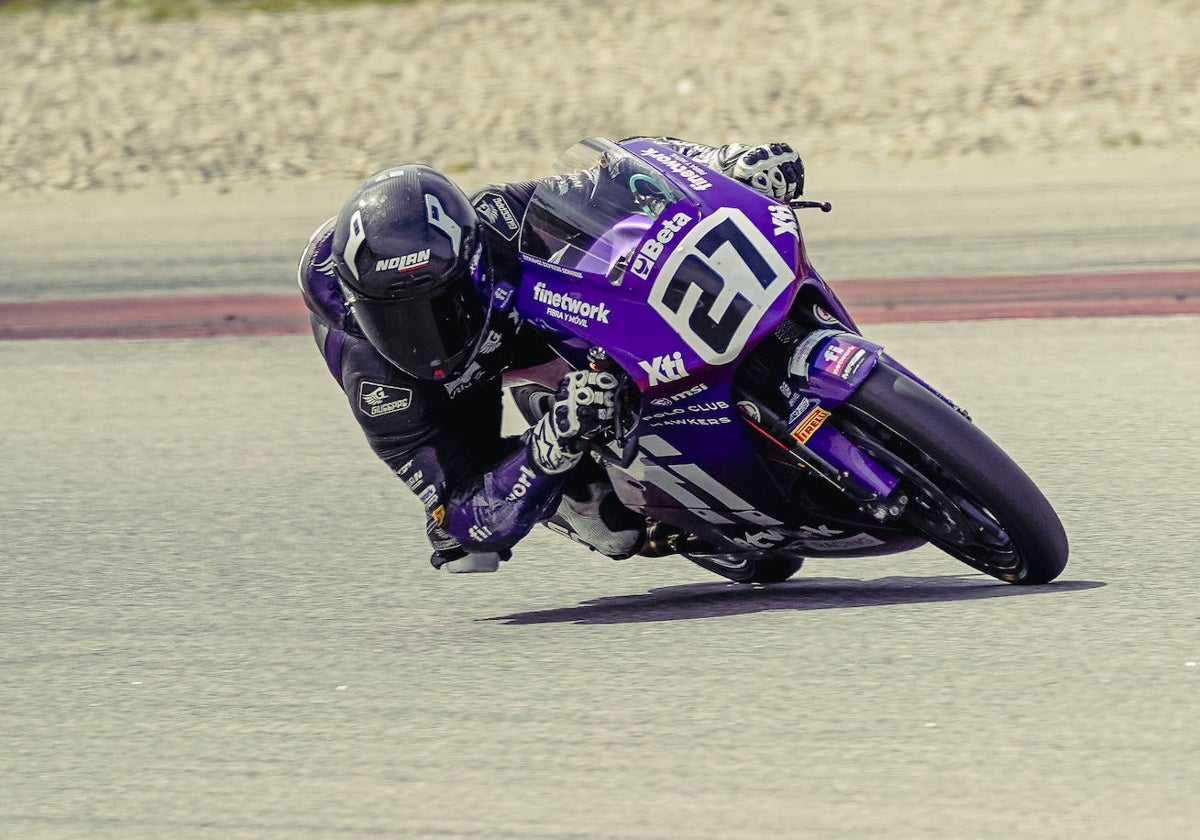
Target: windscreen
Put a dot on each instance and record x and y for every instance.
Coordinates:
(591, 214)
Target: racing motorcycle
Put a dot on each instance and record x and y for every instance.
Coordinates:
(755, 420)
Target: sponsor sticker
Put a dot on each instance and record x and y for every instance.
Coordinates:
(686, 168)
(854, 364)
(835, 357)
(653, 248)
(479, 533)
(800, 408)
(499, 216)
(808, 426)
(750, 410)
(566, 307)
(784, 220)
(376, 399)
(843, 359)
(415, 481)
(682, 395)
(522, 485)
(662, 369)
(502, 297)
(824, 316)
(553, 266)
(689, 421)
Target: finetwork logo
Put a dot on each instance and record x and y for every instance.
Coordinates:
(565, 307)
(682, 167)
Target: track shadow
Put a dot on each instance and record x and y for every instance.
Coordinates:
(709, 600)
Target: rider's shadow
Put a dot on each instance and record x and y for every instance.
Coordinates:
(709, 600)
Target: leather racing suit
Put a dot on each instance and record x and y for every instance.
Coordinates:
(481, 492)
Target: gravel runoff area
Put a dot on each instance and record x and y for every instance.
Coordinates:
(96, 97)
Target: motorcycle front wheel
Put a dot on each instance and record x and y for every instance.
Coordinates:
(965, 494)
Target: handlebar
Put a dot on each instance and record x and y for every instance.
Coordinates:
(801, 204)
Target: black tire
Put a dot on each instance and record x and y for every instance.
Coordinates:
(966, 496)
(532, 401)
(749, 568)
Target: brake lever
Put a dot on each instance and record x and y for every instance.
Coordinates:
(801, 204)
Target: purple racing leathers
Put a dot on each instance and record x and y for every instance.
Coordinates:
(481, 492)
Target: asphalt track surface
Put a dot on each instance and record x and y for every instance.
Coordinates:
(218, 619)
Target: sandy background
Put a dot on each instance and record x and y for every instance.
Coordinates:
(102, 99)
(194, 654)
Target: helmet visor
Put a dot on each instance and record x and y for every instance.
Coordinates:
(428, 337)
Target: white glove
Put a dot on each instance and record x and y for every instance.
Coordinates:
(586, 402)
(773, 169)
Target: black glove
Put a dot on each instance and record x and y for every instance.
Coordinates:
(773, 169)
(585, 403)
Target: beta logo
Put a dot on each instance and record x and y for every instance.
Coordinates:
(662, 369)
(644, 262)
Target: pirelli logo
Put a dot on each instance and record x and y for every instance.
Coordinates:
(809, 424)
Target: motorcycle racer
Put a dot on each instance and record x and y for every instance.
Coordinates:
(410, 289)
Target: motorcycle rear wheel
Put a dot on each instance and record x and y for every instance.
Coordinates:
(966, 495)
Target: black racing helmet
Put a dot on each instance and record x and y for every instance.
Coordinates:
(409, 256)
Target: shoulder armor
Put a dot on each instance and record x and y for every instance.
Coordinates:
(318, 280)
(497, 212)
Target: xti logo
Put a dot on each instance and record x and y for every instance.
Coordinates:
(662, 369)
(785, 221)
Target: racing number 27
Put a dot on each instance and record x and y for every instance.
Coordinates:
(716, 286)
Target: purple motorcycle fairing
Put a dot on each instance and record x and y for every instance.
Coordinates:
(614, 287)
(678, 295)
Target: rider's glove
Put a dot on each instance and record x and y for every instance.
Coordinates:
(585, 403)
(773, 169)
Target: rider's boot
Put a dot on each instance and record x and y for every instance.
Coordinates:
(590, 513)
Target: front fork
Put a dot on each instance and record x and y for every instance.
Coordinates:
(824, 369)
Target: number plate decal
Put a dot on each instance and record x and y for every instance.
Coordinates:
(717, 284)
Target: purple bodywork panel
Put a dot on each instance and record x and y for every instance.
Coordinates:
(679, 296)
